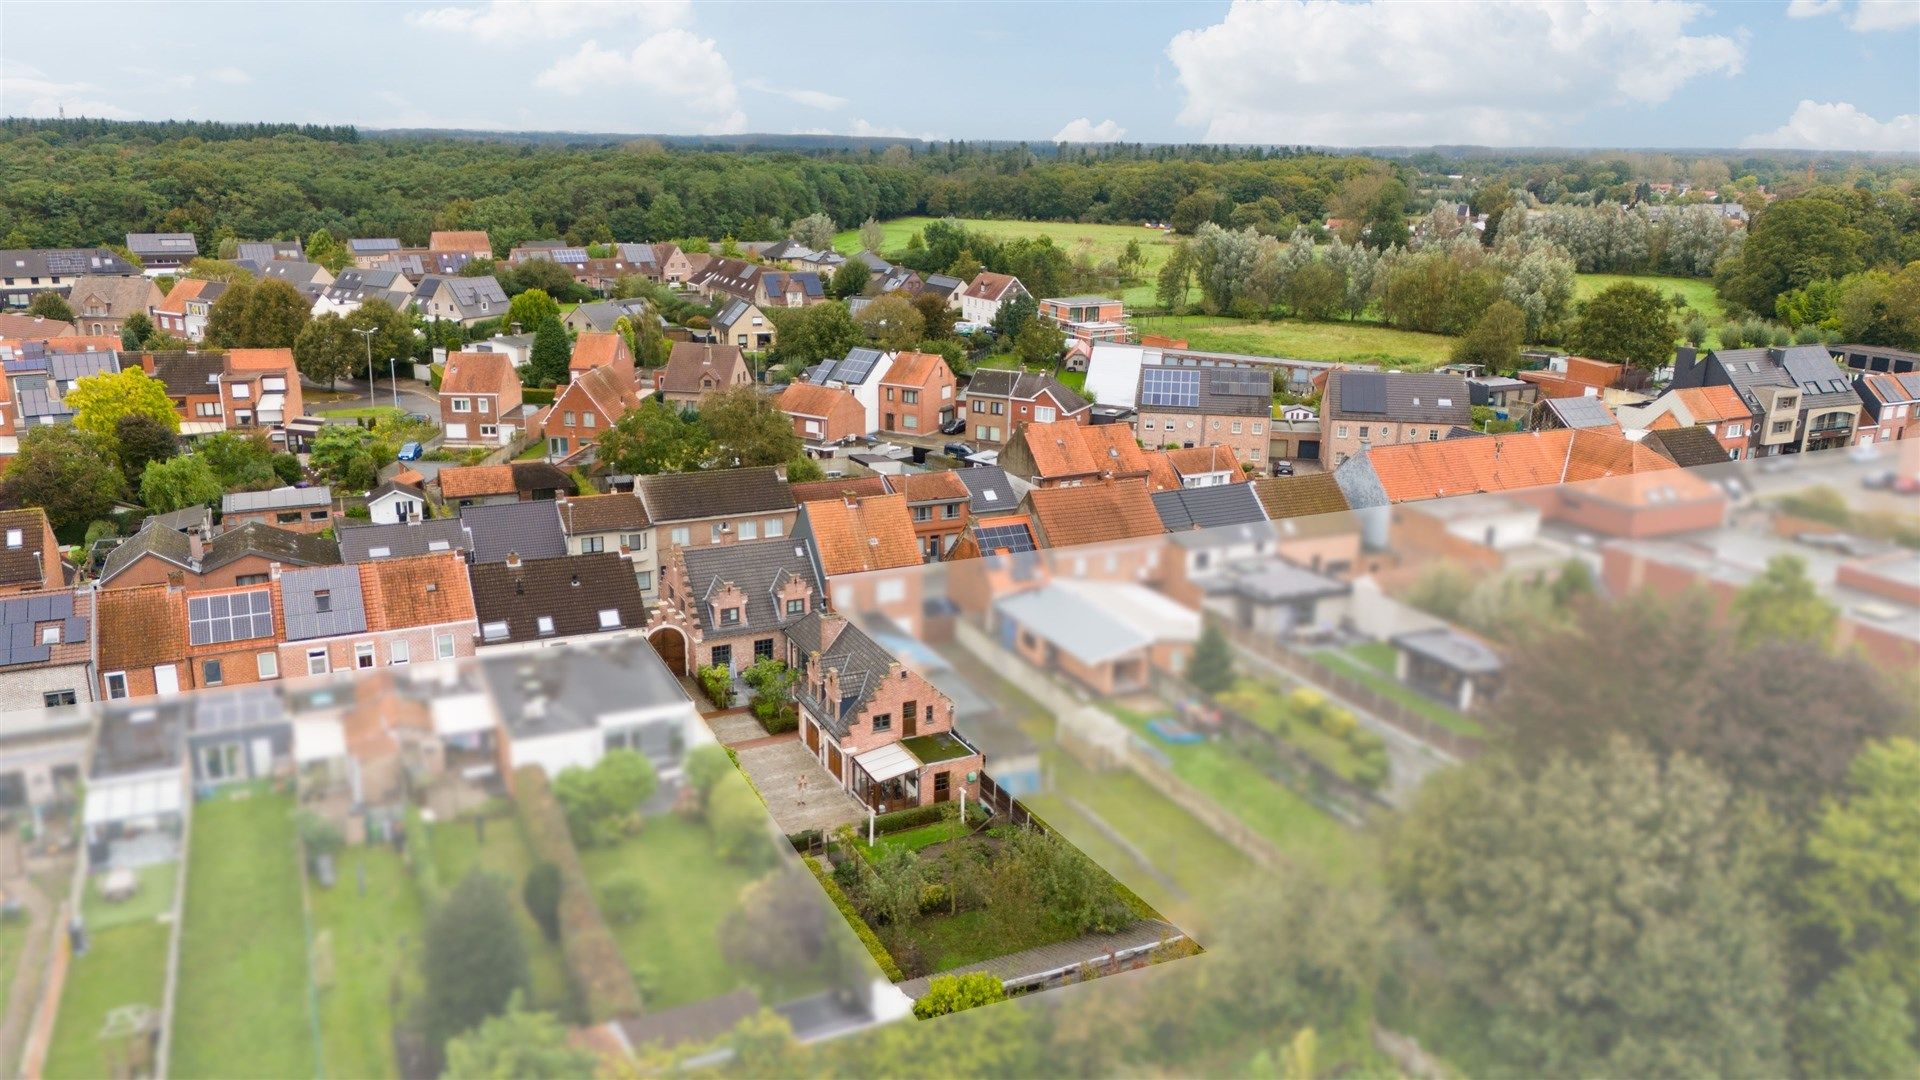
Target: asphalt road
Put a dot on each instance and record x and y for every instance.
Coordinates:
(414, 397)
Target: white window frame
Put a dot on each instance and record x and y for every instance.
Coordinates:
(116, 682)
(461, 405)
(325, 662)
(443, 646)
(399, 651)
(267, 665)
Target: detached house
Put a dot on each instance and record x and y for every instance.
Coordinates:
(984, 296)
(463, 300)
(588, 406)
(744, 326)
(694, 370)
(480, 400)
(883, 732)
(917, 394)
(823, 416)
(102, 304)
(1087, 319)
(997, 401)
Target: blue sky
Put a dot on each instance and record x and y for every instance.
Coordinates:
(1822, 74)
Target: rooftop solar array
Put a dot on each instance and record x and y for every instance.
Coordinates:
(852, 369)
(212, 620)
(21, 641)
(1172, 387)
(1014, 538)
(1363, 392)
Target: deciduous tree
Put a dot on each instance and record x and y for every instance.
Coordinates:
(891, 323)
(532, 309)
(474, 961)
(815, 231)
(178, 483)
(1627, 323)
(653, 438)
(139, 440)
(1495, 338)
(748, 429)
(66, 471)
(518, 1044)
(100, 401)
(50, 305)
(135, 329)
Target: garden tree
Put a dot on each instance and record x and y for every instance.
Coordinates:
(1859, 893)
(738, 822)
(68, 472)
(178, 483)
(1643, 947)
(891, 322)
(815, 231)
(542, 276)
(1066, 884)
(532, 309)
(100, 401)
(474, 961)
(706, 767)
(322, 248)
(602, 803)
(1879, 308)
(804, 470)
(481, 268)
(518, 1044)
(1792, 242)
(1014, 315)
(748, 429)
(890, 890)
(1210, 668)
(964, 266)
(246, 461)
(850, 279)
(935, 314)
(654, 437)
(1539, 280)
(1385, 223)
(327, 350)
(135, 330)
(392, 333)
(813, 333)
(1494, 339)
(1039, 343)
(139, 440)
(779, 928)
(958, 993)
(258, 315)
(1042, 267)
(552, 353)
(350, 457)
(872, 236)
(1782, 604)
(1627, 323)
(625, 897)
(1174, 280)
(1315, 291)
(50, 305)
(218, 270)
(541, 893)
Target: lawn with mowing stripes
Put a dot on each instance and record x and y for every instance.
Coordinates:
(242, 1001)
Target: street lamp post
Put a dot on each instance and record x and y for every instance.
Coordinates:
(366, 335)
(393, 374)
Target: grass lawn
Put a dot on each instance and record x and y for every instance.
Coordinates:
(377, 412)
(456, 851)
(674, 948)
(1372, 663)
(951, 941)
(13, 943)
(1698, 291)
(1295, 339)
(1266, 706)
(242, 1004)
(1178, 844)
(535, 451)
(1102, 242)
(125, 965)
(153, 898)
(361, 941)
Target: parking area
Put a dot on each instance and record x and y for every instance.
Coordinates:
(778, 770)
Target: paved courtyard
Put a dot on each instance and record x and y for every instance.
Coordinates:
(733, 728)
(776, 768)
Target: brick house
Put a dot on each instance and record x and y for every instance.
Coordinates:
(730, 606)
(937, 502)
(997, 401)
(237, 390)
(29, 553)
(693, 370)
(1363, 409)
(587, 407)
(1890, 405)
(480, 399)
(618, 522)
(1717, 409)
(384, 613)
(183, 312)
(883, 732)
(296, 509)
(516, 481)
(142, 636)
(713, 509)
(1093, 513)
(48, 661)
(243, 555)
(596, 349)
(102, 304)
(917, 394)
(852, 541)
(823, 416)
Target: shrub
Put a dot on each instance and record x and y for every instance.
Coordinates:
(602, 803)
(717, 683)
(911, 818)
(536, 395)
(474, 961)
(1338, 723)
(706, 766)
(541, 894)
(738, 822)
(956, 993)
(601, 983)
(625, 898)
(860, 928)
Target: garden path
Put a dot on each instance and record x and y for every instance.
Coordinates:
(1041, 964)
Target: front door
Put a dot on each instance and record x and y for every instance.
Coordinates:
(909, 720)
(833, 761)
(813, 738)
(166, 679)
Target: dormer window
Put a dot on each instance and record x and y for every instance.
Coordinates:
(796, 607)
(16, 538)
(730, 616)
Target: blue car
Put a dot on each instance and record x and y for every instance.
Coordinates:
(410, 452)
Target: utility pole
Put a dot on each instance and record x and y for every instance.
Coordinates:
(366, 335)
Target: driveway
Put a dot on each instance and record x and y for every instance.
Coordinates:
(777, 768)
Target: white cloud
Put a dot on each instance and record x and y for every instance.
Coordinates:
(679, 69)
(230, 76)
(1817, 125)
(514, 21)
(1309, 71)
(29, 91)
(1868, 16)
(812, 99)
(1084, 130)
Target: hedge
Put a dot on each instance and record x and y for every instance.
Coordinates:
(536, 395)
(602, 984)
(860, 928)
(911, 818)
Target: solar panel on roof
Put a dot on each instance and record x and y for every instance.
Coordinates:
(1363, 392)
(212, 620)
(1242, 382)
(1170, 387)
(1014, 538)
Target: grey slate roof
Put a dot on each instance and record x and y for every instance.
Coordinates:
(861, 661)
(992, 489)
(356, 284)
(361, 542)
(61, 262)
(1403, 397)
(530, 530)
(476, 297)
(186, 373)
(570, 591)
(280, 498)
(600, 316)
(1023, 386)
(1821, 381)
(252, 538)
(322, 602)
(1208, 507)
(373, 245)
(758, 568)
(165, 245)
(719, 493)
(731, 314)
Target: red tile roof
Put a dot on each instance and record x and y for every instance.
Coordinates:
(1713, 404)
(476, 373)
(593, 350)
(856, 535)
(1094, 513)
(420, 590)
(914, 369)
(1431, 470)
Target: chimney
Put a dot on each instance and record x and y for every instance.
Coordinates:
(513, 560)
(176, 580)
(273, 571)
(833, 692)
(830, 628)
(196, 546)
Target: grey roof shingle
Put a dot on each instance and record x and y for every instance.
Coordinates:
(252, 538)
(1402, 397)
(362, 543)
(570, 591)
(861, 661)
(992, 489)
(758, 568)
(1208, 507)
(719, 493)
(530, 530)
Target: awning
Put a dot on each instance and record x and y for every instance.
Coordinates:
(273, 403)
(134, 800)
(462, 714)
(886, 762)
(318, 739)
(307, 425)
(203, 427)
